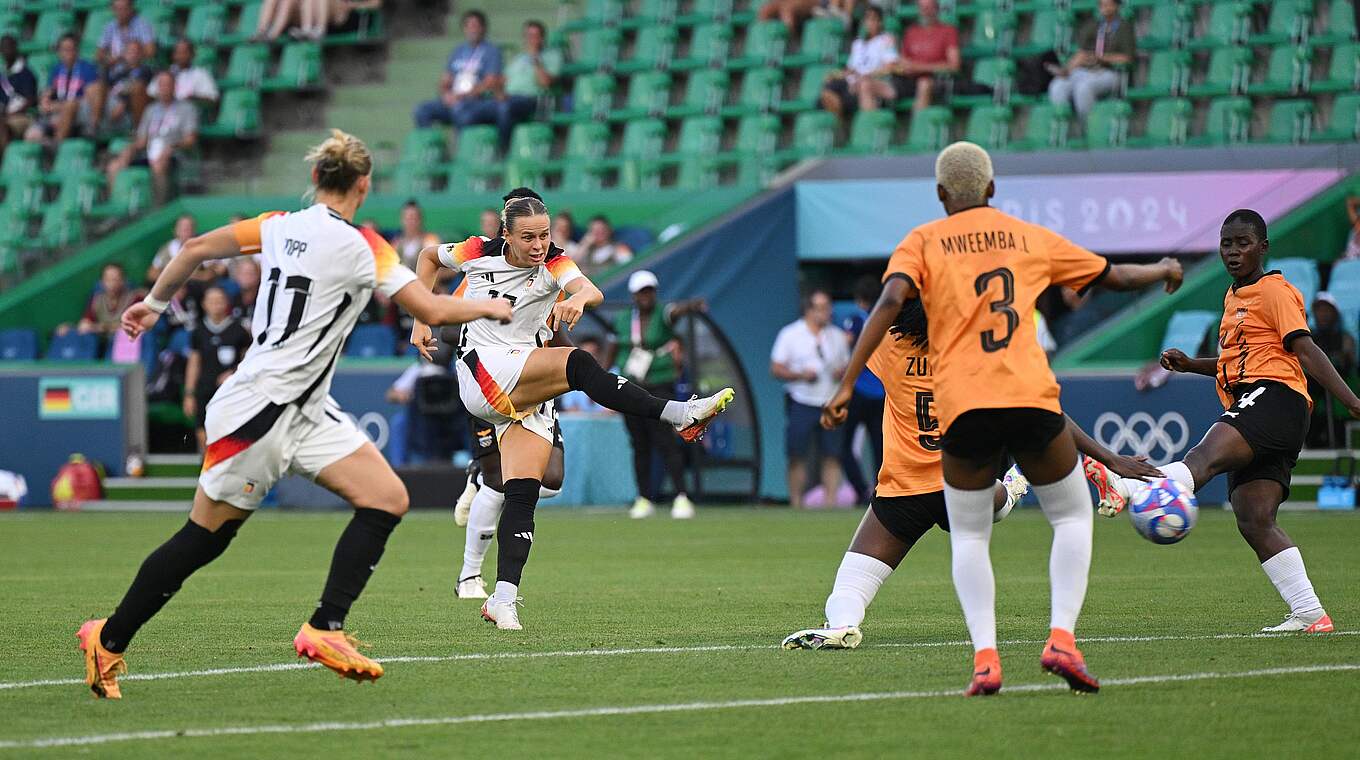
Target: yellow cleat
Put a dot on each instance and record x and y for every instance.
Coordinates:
(336, 650)
(101, 666)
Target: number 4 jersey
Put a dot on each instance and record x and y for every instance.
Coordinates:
(317, 272)
(980, 272)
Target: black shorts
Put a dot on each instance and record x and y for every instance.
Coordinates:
(909, 517)
(840, 88)
(484, 438)
(982, 434)
(1273, 418)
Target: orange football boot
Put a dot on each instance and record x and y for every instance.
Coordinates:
(986, 674)
(336, 650)
(1111, 501)
(1062, 658)
(101, 666)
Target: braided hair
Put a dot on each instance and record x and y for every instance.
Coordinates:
(911, 323)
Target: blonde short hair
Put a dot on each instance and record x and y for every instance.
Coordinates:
(964, 170)
(340, 160)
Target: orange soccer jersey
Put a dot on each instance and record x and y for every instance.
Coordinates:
(979, 272)
(911, 434)
(1259, 321)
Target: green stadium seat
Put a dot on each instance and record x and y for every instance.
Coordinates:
(1340, 24)
(704, 94)
(238, 116)
(95, 21)
(587, 141)
(25, 195)
(649, 94)
(1107, 124)
(1287, 72)
(50, 26)
(653, 48)
(814, 134)
(78, 193)
(22, 161)
(1050, 29)
(1291, 122)
(1301, 273)
(424, 147)
(822, 41)
(809, 93)
(1228, 122)
(246, 21)
(299, 68)
(61, 227)
(532, 141)
(760, 90)
(598, 13)
(1228, 72)
(584, 176)
(709, 45)
(368, 29)
(525, 173)
(13, 226)
(42, 65)
(996, 73)
(1186, 330)
(1168, 73)
(1289, 21)
(764, 45)
(206, 57)
(929, 130)
(1344, 123)
(206, 23)
(1228, 25)
(757, 144)
(871, 132)
(697, 153)
(12, 24)
(246, 66)
(1168, 123)
(474, 165)
(598, 50)
(162, 21)
(129, 195)
(654, 13)
(704, 11)
(1169, 25)
(1343, 72)
(75, 158)
(644, 142)
(993, 33)
(989, 126)
(592, 97)
(10, 265)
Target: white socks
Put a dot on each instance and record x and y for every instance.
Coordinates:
(1176, 471)
(481, 528)
(675, 412)
(970, 533)
(506, 592)
(1286, 571)
(857, 581)
(1067, 505)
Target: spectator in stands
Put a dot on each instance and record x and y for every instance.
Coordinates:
(18, 92)
(60, 102)
(599, 250)
(192, 82)
(866, 404)
(489, 223)
(276, 16)
(185, 228)
(119, 98)
(930, 48)
(104, 312)
(870, 53)
(245, 272)
(791, 12)
(216, 346)
(810, 356)
(1104, 43)
(564, 234)
(125, 26)
(1332, 337)
(413, 236)
(340, 16)
(528, 77)
(1352, 250)
(168, 128)
(471, 78)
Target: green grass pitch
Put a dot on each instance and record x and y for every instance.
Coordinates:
(703, 606)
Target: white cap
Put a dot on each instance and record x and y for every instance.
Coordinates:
(641, 280)
(1327, 298)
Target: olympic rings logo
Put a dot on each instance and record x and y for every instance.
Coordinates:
(1142, 435)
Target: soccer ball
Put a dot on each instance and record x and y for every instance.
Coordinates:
(1162, 511)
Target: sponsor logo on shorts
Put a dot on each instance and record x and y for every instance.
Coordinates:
(249, 487)
(1159, 439)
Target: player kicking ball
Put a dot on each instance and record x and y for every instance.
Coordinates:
(1265, 348)
(275, 414)
(909, 498)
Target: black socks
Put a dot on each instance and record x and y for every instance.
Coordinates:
(609, 390)
(161, 575)
(356, 555)
(516, 529)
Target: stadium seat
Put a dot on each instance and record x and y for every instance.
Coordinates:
(531, 142)
(644, 142)
(73, 347)
(93, 30)
(1340, 24)
(929, 129)
(1302, 273)
(587, 141)
(760, 89)
(246, 22)
(1168, 73)
(597, 50)
(1107, 124)
(424, 147)
(1050, 29)
(704, 94)
(653, 13)
(810, 84)
(50, 26)
(709, 46)
(814, 135)
(206, 23)
(1228, 72)
(1168, 26)
(1289, 21)
(1168, 123)
(1344, 122)
(584, 176)
(299, 68)
(996, 73)
(75, 158)
(653, 48)
(989, 126)
(821, 42)
(1228, 122)
(1228, 25)
(757, 141)
(371, 342)
(237, 117)
(62, 226)
(1287, 72)
(871, 132)
(476, 145)
(78, 193)
(649, 94)
(993, 33)
(245, 67)
(598, 13)
(1291, 122)
(591, 97)
(1344, 286)
(1046, 127)
(697, 153)
(129, 195)
(764, 45)
(18, 344)
(1186, 331)
(22, 161)
(703, 11)
(1343, 72)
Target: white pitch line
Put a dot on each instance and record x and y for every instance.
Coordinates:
(599, 712)
(285, 666)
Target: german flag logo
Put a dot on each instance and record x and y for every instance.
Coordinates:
(56, 399)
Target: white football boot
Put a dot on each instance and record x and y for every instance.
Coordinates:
(470, 588)
(682, 508)
(504, 614)
(701, 411)
(1016, 485)
(642, 509)
(847, 637)
(1319, 622)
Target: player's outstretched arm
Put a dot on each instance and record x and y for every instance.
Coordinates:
(1175, 360)
(1139, 276)
(1127, 467)
(1320, 368)
(430, 309)
(221, 243)
(896, 291)
(581, 295)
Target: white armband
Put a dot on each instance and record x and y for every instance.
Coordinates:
(157, 306)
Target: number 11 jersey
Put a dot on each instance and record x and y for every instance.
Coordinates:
(980, 272)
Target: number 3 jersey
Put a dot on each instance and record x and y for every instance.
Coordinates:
(980, 272)
(532, 291)
(317, 272)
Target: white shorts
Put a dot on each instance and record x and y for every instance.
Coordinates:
(252, 443)
(487, 376)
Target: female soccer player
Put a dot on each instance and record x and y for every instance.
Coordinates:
(275, 414)
(909, 497)
(508, 376)
(1264, 350)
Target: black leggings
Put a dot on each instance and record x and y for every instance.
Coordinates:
(654, 436)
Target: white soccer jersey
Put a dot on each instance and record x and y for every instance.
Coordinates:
(532, 291)
(317, 274)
